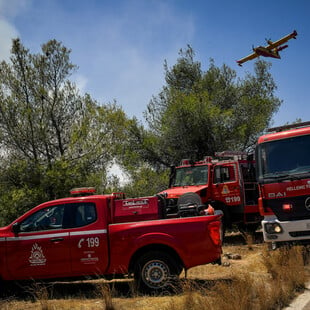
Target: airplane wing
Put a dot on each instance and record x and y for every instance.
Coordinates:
(249, 57)
(282, 40)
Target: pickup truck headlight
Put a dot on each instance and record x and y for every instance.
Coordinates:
(273, 228)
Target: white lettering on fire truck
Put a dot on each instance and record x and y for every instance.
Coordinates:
(90, 242)
(297, 188)
(128, 203)
(37, 257)
(89, 259)
(232, 199)
(276, 195)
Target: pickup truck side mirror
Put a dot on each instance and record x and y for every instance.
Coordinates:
(16, 228)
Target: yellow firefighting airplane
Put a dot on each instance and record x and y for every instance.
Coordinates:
(271, 50)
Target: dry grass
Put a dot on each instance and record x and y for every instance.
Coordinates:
(254, 279)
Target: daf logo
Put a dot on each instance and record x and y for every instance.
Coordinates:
(307, 203)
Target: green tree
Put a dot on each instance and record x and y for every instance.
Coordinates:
(200, 112)
(145, 181)
(51, 137)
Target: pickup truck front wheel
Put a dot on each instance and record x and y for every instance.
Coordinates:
(155, 272)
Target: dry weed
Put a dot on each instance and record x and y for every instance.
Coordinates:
(287, 265)
(287, 275)
(40, 293)
(239, 294)
(105, 293)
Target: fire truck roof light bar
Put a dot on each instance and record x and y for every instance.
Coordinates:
(83, 190)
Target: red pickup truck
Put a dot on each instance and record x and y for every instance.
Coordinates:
(107, 236)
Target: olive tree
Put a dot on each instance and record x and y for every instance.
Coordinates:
(52, 138)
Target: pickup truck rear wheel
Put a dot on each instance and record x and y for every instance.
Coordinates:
(155, 272)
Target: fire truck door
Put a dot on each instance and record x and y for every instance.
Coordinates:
(41, 247)
(226, 187)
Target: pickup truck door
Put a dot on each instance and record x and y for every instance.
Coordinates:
(89, 239)
(59, 241)
(41, 248)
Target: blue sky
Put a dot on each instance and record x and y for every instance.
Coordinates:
(120, 46)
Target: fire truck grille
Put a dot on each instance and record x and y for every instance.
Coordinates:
(300, 233)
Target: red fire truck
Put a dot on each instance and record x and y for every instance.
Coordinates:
(283, 173)
(226, 181)
(110, 236)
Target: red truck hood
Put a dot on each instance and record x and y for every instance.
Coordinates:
(5, 231)
(176, 192)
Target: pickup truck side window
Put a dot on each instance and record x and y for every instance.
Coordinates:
(80, 214)
(85, 214)
(44, 219)
(60, 217)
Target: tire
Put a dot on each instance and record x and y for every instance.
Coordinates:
(189, 198)
(155, 272)
(189, 204)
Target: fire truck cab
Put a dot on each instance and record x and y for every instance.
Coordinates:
(226, 181)
(283, 174)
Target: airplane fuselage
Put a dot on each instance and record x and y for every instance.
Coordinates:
(263, 51)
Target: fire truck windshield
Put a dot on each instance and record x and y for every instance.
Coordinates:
(284, 159)
(193, 175)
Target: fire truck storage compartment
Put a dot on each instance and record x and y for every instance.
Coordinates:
(137, 209)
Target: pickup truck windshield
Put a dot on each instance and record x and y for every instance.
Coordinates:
(194, 175)
(284, 159)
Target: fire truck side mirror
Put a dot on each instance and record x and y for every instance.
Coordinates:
(16, 228)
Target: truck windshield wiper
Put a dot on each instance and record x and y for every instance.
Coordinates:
(287, 176)
(276, 176)
(301, 175)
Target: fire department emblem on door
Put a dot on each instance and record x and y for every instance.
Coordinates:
(225, 190)
(37, 257)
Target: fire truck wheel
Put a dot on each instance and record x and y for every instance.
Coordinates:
(155, 271)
